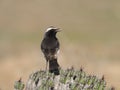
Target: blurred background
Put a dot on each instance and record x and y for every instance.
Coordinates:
(90, 37)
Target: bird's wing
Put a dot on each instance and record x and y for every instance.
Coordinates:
(50, 46)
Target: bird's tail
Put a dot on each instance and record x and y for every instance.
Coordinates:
(54, 66)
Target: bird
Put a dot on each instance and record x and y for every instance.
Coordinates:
(50, 47)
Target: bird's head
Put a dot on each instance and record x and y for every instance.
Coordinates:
(51, 31)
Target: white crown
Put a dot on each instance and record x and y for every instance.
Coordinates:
(50, 28)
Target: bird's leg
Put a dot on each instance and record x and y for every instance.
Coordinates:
(46, 65)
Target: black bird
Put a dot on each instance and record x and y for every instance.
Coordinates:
(50, 48)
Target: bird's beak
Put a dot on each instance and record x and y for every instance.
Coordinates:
(58, 29)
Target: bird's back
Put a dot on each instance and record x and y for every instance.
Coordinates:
(50, 46)
(50, 43)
